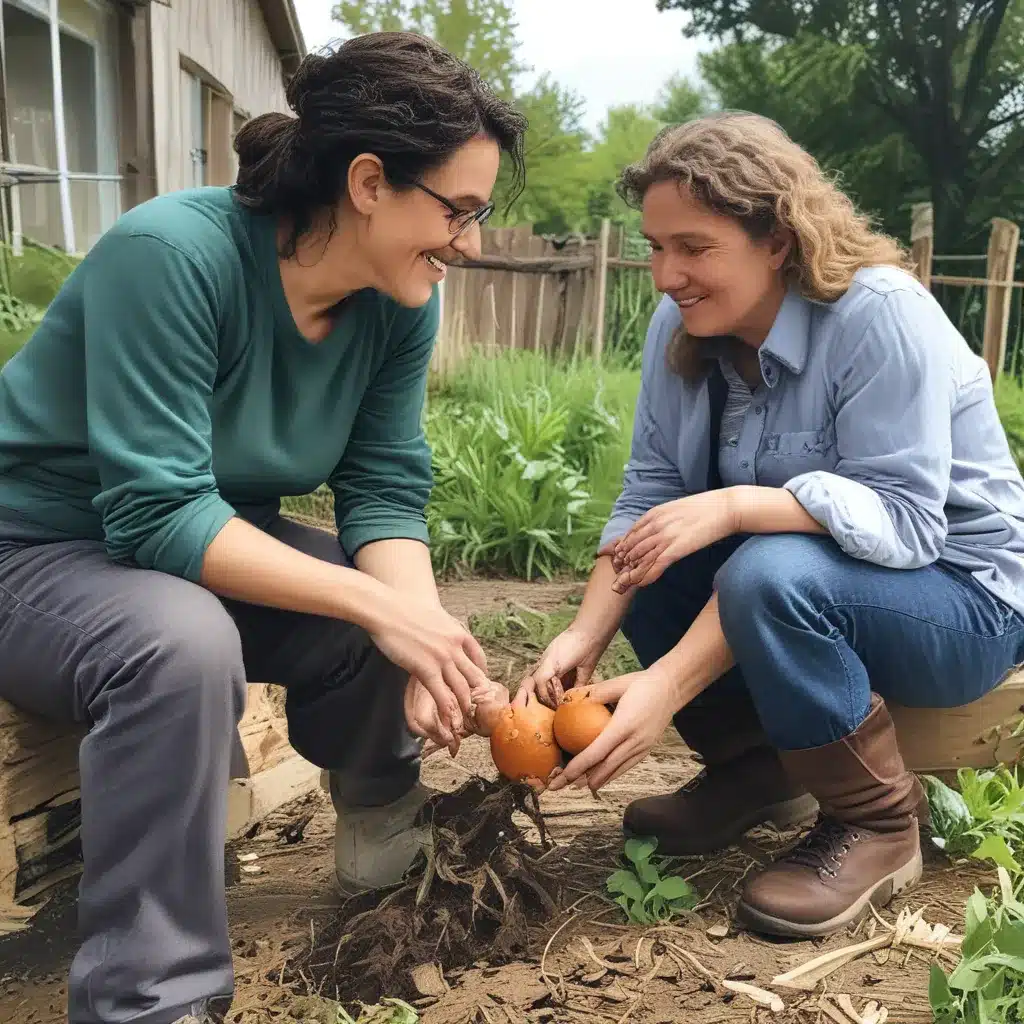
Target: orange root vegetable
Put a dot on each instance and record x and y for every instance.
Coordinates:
(579, 721)
(523, 743)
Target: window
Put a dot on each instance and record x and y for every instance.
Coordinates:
(87, 35)
(208, 131)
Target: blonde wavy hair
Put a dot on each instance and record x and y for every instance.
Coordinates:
(746, 167)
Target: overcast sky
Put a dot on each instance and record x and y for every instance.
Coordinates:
(607, 55)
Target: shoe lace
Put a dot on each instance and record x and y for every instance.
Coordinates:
(698, 780)
(825, 847)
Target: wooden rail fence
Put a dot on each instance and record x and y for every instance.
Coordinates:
(533, 293)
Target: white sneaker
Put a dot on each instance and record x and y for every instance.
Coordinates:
(375, 846)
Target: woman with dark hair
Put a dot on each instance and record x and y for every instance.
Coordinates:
(216, 350)
(820, 513)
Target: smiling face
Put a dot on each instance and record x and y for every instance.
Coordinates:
(723, 281)
(407, 235)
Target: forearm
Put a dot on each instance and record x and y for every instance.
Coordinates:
(770, 510)
(701, 657)
(602, 610)
(246, 564)
(403, 565)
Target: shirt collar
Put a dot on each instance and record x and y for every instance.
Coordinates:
(789, 339)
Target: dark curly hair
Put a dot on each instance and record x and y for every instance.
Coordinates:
(398, 95)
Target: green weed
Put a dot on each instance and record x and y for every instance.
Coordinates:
(528, 458)
(984, 820)
(988, 983)
(643, 892)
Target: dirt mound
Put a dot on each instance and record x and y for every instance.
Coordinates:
(474, 896)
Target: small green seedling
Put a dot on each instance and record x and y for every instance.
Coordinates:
(642, 892)
(387, 1011)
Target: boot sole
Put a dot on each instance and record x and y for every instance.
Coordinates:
(880, 896)
(782, 815)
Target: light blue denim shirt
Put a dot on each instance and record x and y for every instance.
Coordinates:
(873, 412)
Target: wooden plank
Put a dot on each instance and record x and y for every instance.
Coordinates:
(530, 264)
(972, 282)
(40, 801)
(1002, 261)
(600, 288)
(922, 241)
(975, 735)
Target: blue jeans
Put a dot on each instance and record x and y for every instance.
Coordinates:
(814, 631)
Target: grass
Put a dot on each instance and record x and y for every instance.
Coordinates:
(35, 278)
(519, 635)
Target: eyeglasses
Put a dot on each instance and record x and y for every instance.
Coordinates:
(460, 221)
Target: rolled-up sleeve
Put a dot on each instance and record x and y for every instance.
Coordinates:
(652, 474)
(885, 500)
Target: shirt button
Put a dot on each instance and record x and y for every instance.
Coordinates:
(744, 464)
(757, 410)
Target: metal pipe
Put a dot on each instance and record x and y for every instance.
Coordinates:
(64, 183)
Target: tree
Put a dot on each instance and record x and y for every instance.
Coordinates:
(947, 74)
(557, 171)
(855, 141)
(679, 100)
(480, 32)
(623, 137)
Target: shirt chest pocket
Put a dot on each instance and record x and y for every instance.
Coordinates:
(788, 454)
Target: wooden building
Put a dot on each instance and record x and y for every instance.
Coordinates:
(106, 103)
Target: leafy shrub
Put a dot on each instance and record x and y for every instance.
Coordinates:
(528, 459)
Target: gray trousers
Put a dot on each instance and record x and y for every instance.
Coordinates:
(156, 668)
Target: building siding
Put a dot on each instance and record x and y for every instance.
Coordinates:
(228, 43)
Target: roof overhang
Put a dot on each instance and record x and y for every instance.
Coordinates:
(285, 33)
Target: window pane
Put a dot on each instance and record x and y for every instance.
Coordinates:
(29, 88)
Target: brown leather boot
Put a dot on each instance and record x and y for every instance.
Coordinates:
(742, 784)
(865, 849)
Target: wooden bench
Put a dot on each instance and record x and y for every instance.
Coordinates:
(39, 797)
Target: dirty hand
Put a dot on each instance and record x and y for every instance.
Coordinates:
(440, 652)
(668, 533)
(646, 704)
(423, 720)
(570, 660)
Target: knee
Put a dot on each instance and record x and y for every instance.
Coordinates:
(768, 573)
(188, 650)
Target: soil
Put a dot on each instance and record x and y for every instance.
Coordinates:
(582, 963)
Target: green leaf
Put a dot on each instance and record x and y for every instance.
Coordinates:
(940, 995)
(673, 888)
(627, 883)
(1009, 938)
(648, 873)
(640, 850)
(977, 912)
(995, 848)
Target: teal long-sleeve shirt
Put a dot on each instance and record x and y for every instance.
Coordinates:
(168, 386)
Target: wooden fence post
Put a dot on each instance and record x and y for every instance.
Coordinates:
(600, 286)
(1002, 261)
(922, 240)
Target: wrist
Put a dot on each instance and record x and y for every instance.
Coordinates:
(363, 600)
(737, 504)
(668, 679)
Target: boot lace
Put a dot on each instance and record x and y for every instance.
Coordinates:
(824, 848)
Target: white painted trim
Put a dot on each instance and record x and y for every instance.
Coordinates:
(60, 133)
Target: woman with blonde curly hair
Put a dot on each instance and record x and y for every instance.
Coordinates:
(820, 513)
